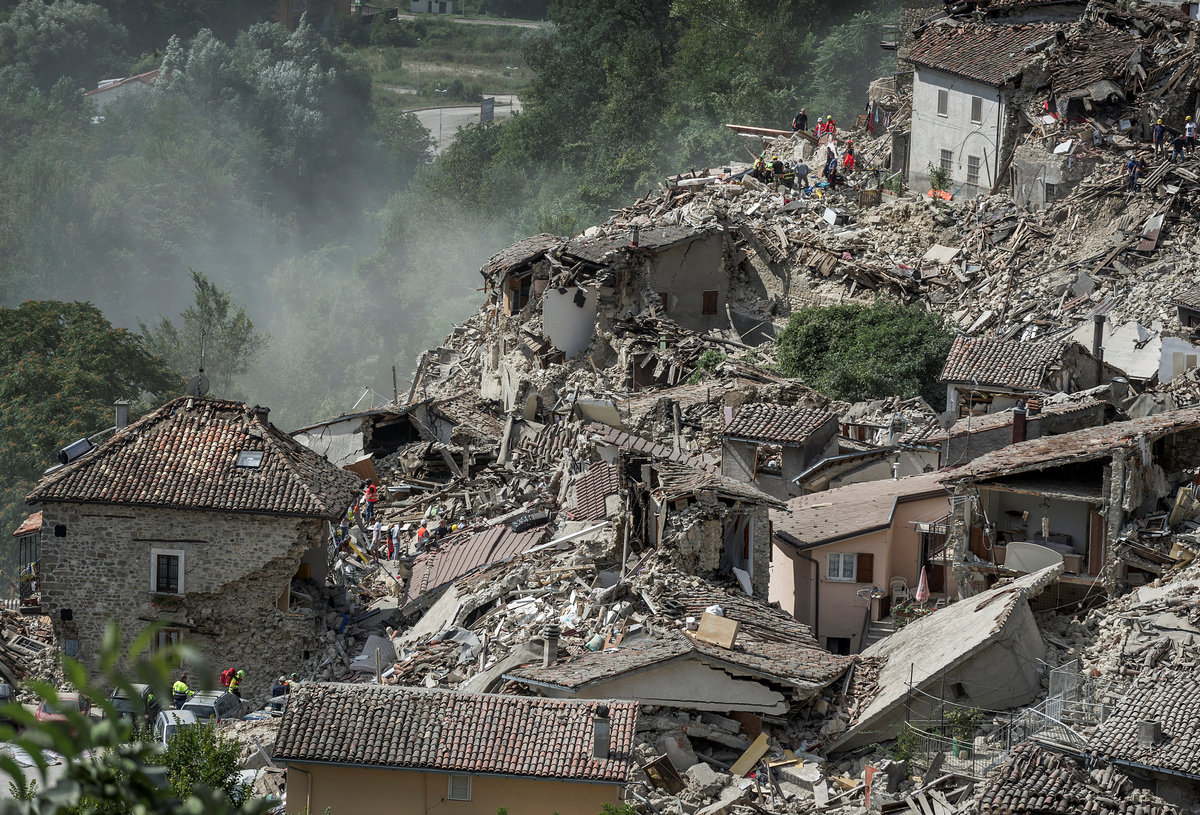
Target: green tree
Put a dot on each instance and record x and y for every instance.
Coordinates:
(197, 756)
(212, 329)
(856, 352)
(108, 771)
(42, 42)
(62, 365)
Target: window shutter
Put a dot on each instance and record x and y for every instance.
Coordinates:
(866, 568)
(460, 788)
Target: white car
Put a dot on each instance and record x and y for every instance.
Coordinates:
(169, 721)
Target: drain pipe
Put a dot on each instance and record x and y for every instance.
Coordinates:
(816, 594)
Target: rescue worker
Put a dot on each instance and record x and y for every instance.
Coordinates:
(830, 127)
(759, 170)
(235, 684)
(443, 529)
(848, 161)
(1158, 136)
(777, 168)
(801, 171)
(180, 692)
(801, 121)
(1189, 135)
(371, 493)
(280, 688)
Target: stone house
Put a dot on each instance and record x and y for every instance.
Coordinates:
(830, 546)
(372, 748)
(1082, 496)
(771, 445)
(199, 516)
(963, 113)
(986, 376)
(973, 436)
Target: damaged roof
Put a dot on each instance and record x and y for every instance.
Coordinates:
(919, 654)
(421, 729)
(806, 668)
(757, 622)
(776, 423)
(1004, 418)
(185, 455)
(30, 525)
(651, 239)
(1007, 363)
(822, 518)
(1033, 779)
(1079, 445)
(680, 481)
(990, 54)
(627, 441)
(591, 491)
(1171, 698)
(464, 553)
(1188, 298)
(520, 255)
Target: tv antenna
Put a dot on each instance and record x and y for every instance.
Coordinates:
(198, 384)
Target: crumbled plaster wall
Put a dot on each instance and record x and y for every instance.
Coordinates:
(235, 568)
(697, 536)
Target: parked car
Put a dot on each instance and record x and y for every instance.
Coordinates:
(57, 711)
(169, 721)
(273, 709)
(214, 706)
(144, 708)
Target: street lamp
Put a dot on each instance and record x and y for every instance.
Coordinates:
(441, 109)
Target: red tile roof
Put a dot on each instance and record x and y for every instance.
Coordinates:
(990, 54)
(184, 456)
(415, 728)
(30, 525)
(628, 441)
(591, 491)
(1172, 699)
(464, 553)
(809, 668)
(1006, 363)
(1188, 298)
(776, 423)
(521, 254)
(1080, 445)
(855, 509)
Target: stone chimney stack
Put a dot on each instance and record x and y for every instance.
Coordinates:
(122, 408)
(550, 654)
(1020, 423)
(601, 733)
(1149, 733)
(259, 412)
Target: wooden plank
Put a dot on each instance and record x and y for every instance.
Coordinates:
(757, 749)
(717, 630)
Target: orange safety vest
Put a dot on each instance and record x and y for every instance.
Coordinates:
(372, 494)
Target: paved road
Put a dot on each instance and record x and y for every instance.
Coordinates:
(468, 21)
(444, 123)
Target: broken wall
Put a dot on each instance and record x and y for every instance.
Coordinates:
(1034, 167)
(954, 131)
(695, 282)
(234, 570)
(697, 534)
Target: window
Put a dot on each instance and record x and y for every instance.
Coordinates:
(662, 301)
(838, 645)
(768, 460)
(943, 103)
(947, 160)
(976, 110)
(250, 459)
(851, 567)
(710, 302)
(460, 788)
(167, 637)
(166, 571)
(1051, 193)
(973, 163)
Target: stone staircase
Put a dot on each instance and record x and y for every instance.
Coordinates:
(879, 630)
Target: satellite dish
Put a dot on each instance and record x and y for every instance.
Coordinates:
(197, 385)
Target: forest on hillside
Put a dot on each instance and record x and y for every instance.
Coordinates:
(259, 178)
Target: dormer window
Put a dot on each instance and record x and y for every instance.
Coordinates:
(250, 459)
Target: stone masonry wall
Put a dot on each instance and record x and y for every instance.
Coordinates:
(235, 567)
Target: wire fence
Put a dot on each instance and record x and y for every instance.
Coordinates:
(1075, 705)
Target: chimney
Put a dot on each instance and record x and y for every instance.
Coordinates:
(1098, 338)
(635, 234)
(259, 412)
(1149, 733)
(1019, 423)
(601, 733)
(1119, 390)
(1033, 406)
(122, 407)
(550, 653)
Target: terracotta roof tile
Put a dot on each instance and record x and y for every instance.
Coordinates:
(184, 456)
(990, 54)
(30, 525)
(522, 253)
(619, 438)
(415, 728)
(591, 491)
(464, 553)
(680, 480)
(855, 509)
(1172, 699)
(776, 423)
(1188, 298)
(1036, 781)
(1007, 363)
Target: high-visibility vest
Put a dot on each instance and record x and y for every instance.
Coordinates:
(180, 687)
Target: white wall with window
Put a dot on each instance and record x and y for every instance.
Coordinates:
(959, 118)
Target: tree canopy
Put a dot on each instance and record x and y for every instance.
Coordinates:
(857, 352)
(62, 366)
